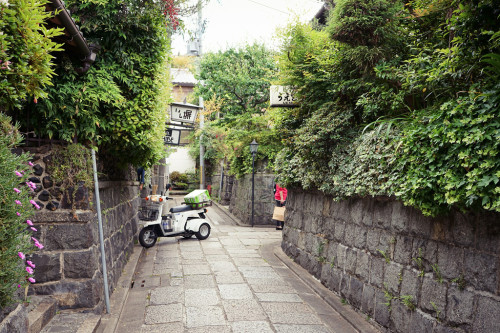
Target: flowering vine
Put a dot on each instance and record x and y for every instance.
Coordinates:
(16, 227)
(30, 226)
(171, 12)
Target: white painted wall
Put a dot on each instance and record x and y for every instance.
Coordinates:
(181, 161)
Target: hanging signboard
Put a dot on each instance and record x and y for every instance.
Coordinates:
(282, 96)
(183, 112)
(172, 136)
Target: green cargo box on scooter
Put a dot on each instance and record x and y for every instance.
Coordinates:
(198, 198)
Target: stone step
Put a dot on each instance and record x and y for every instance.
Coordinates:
(73, 322)
(41, 311)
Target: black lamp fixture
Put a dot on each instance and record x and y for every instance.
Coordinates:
(253, 149)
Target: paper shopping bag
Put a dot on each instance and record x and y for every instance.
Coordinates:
(279, 214)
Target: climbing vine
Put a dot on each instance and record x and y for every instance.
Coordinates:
(71, 166)
(396, 100)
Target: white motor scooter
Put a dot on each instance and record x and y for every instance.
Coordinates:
(183, 220)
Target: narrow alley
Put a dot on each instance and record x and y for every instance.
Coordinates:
(235, 281)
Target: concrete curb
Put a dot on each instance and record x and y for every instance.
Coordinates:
(346, 311)
(109, 321)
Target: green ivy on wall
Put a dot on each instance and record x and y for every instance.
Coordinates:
(120, 104)
(398, 101)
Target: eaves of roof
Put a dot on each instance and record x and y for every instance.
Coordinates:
(75, 43)
(183, 77)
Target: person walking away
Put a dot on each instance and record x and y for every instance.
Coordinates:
(280, 197)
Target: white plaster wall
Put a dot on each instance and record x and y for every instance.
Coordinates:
(181, 161)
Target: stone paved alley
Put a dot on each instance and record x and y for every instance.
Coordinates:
(237, 280)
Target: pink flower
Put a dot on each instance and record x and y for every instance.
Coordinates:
(19, 203)
(31, 280)
(19, 286)
(21, 255)
(34, 229)
(30, 164)
(37, 207)
(19, 174)
(32, 202)
(29, 262)
(29, 270)
(18, 214)
(34, 239)
(29, 222)
(38, 245)
(17, 190)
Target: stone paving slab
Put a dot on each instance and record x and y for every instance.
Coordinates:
(162, 328)
(222, 266)
(197, 269)
(281, 328)
(278, 297)
(228, 277)
(201, 297)
(158, 314)
(166, 295)
(199, 281)
(286, 307)
(205, 316)
(251, 327)
(242, 310)
(235, 291)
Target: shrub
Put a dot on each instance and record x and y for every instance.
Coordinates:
(26, 48)
(177, 177)
(15, 211)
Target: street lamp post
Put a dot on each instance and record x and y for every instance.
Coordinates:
(253, 150)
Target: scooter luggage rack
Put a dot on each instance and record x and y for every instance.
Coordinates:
(199, 205)
(149, 212)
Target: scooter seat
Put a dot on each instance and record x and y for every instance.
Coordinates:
(180, 209)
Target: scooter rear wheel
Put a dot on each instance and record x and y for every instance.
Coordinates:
(147, 237)
(203, 232)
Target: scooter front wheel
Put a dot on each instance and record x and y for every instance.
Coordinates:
(203, 232)
(147, 237)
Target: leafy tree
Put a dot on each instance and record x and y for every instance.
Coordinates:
(236, 86)
(239, 77)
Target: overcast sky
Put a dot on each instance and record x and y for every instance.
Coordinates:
(232, 23)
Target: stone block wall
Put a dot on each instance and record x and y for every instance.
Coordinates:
(241, 199)
(227, 188)
(407, 272)
(69, 267)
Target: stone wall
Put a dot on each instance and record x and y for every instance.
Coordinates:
(69, 268)
(241, 199)
(227, 188)
(408, 272)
